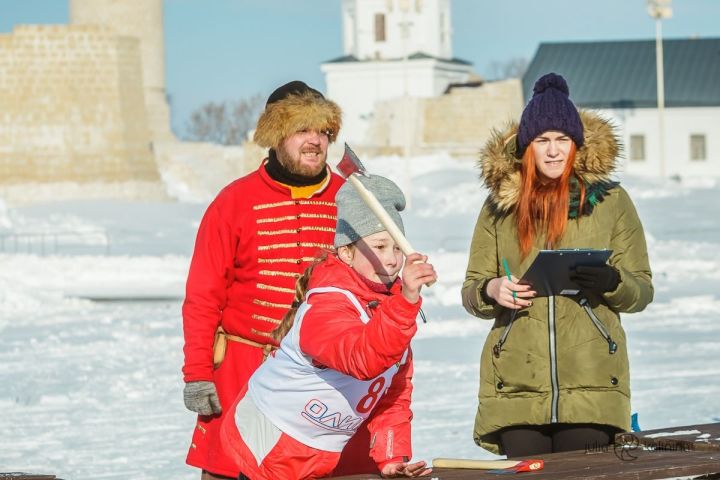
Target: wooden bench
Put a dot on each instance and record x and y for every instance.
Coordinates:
(688, 451)
(644, 465)
(689, 437)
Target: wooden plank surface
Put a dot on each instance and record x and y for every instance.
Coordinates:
(602, 465)
(690, 437)
(25, 476)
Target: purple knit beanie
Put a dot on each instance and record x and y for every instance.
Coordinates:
(549, 108)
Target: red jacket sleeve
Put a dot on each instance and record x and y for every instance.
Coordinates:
(206, 292)
(333, 334)
(389, 423)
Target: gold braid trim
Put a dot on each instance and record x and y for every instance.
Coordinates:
(263, 303)
(285, 260)
(262, 334)
(295, 217)
(275, 219)
(255, 316)
(292, 230)
(277, 232)
(275, 273)
(263, 206)
(317, 202)
(275, 246)
(262, 286)
(318, 229)
(318, 215)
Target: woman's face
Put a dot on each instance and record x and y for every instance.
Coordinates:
(551, 150)
(376, 257)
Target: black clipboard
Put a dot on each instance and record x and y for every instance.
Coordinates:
(549, 273)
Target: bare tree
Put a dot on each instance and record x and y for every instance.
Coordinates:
(512, 68)
(225, 123)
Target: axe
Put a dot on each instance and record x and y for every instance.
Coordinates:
(494, 466)
(350, 167)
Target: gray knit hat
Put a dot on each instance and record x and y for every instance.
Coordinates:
(355, 219)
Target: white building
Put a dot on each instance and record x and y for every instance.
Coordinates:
(393, 48)
(619, 80)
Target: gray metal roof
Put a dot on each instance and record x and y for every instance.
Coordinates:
(622, 73)
(414, 56)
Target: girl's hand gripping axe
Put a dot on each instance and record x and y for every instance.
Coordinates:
(350, 167)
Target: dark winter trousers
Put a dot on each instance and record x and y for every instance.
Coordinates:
(211, 476)
(527, 440)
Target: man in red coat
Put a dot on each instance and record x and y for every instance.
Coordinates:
(254, 241)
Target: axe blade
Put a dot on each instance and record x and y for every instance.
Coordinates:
(350, 163)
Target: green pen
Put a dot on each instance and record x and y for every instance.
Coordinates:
(507, 272)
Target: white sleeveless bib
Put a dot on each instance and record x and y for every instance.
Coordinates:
(320, 407)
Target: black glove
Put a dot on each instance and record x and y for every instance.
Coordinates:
(596, 279)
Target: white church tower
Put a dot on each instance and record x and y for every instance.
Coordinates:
(392, 49)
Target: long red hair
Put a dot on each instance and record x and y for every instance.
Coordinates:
(544, 204)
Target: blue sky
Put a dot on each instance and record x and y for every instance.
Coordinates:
(230, 49)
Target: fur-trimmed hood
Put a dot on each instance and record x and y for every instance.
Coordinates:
(305, 111)
(500, 168)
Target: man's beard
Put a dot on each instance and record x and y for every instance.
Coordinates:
(296, 167)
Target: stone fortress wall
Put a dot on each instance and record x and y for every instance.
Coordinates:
(466, 116)
(458, 122)
(72, 106)
(141, 19)
(83, 113)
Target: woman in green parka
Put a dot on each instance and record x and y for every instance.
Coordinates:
(554, 372)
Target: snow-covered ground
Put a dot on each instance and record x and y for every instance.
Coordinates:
(91, 389)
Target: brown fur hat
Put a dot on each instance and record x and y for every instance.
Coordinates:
(294, 107)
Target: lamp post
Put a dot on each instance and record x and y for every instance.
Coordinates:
(404, 7)
(659, 10)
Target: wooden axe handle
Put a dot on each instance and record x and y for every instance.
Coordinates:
(474, 464)
(497, 466)
(383, 216)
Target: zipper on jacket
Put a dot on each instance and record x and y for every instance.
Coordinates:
(498, 346)
(612, 346)
(553, 361)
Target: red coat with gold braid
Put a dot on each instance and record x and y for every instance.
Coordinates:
(254, 241)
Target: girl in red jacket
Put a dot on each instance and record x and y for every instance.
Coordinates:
(344, 364)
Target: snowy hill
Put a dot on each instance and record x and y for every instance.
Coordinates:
(92, 389)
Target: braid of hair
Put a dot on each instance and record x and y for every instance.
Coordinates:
(301, 287)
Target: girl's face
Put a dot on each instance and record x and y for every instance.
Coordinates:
(376, 257)
(551, 150)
